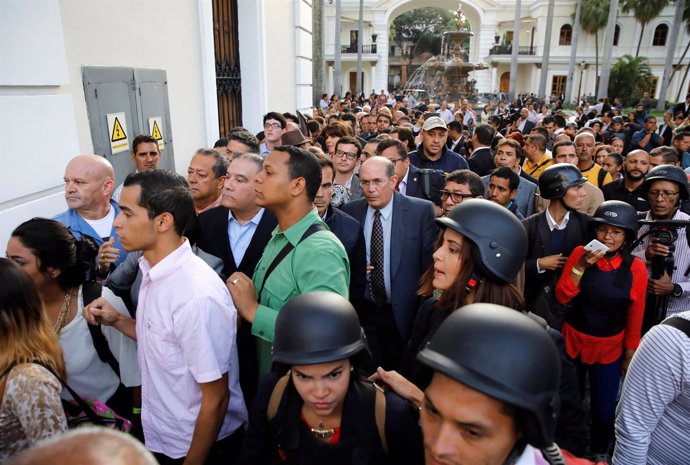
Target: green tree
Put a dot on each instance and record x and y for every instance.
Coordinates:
(594, 15)
(686, 20)
(423, 27)
(644, 11)
(630, 77)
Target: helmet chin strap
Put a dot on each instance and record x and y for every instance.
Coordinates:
(565, 205)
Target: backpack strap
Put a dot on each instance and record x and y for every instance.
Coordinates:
(678, 323)
(426, 183)
(380, 417)
(91, 291)
(601, 177)
(277, 396)
(314, 228)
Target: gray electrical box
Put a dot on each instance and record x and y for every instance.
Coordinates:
(123, 103)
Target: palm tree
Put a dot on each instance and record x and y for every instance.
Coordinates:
(630, 77)
(593, 16)
(608, 50)
(670, 52)
(644, 11)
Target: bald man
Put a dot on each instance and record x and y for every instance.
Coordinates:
(89, 182)
(88, 445)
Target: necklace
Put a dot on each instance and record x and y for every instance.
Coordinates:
(64, 312)
(321, 432)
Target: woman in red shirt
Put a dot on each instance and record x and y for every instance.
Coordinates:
(602, 328)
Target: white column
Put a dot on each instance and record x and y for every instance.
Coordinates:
(382, 51)
(494, 77)
(372, 80)
(250, 20)
(329, 79)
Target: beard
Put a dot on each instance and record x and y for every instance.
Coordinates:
(630, 176)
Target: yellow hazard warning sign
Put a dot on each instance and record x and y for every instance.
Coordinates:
(156, 130)
(117, 130)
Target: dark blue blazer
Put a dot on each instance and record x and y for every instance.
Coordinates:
(414, 184)
(350, 233)
(413, 234)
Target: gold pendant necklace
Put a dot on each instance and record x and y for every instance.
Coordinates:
(321, 432)
(64, 312)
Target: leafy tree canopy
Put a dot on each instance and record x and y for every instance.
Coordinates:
(423, 27)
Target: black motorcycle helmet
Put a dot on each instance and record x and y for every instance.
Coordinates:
(666, 173)
(506, 355)
(616, 213)
(499, 241)
(317, 327)
(555, 180)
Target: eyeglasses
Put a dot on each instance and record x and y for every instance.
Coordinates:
(349, 155)
(662, 194)
(272, 126)
(374, 182)
(614, 233)
(456, 197)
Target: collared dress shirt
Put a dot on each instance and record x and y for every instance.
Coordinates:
(240, 235)
(186, 326)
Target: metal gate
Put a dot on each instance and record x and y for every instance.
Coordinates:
(228, 79)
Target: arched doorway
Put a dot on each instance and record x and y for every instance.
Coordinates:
(505, 82)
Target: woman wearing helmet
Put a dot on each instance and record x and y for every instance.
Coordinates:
(317, 408)
(603, 328)
(478, 256)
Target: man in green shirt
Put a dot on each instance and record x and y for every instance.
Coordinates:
(286, 186)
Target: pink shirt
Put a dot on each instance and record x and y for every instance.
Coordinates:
(186, 327)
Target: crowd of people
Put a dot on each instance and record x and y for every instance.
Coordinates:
(385, 281)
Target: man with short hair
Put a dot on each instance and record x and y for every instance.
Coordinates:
(345, 160)
(665, 186)
(481, 161)
(584, 147)
(681, 144)
(314, 258)
(536, 158)
(400, 233)
(185, 328)
(646, 138)
(89, 181)
(445, 114)
(433, 153)
(507, 155)
(662, 156)
(275, 125)
(683, 107)
(206, 175)
(503, 185)
(241, 141)
(384, 120)
(460, 185)
(404, 135)
(628, 189)
(411, 180)
(564, 152)
(146, 156)
(523, 124)
(237, 231)
(456, 139)
(369, 150)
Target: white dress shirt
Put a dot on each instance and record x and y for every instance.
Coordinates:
(240, 235)
(186, 327)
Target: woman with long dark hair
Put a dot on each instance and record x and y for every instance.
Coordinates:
(61, 267)
(606, 291)
(30, 407)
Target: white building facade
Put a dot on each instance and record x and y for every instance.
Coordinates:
(62, 62)
(492, 22)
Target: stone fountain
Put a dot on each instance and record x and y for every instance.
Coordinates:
(446, 76)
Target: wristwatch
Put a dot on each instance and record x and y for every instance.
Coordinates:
(677, 290)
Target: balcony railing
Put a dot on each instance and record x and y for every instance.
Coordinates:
(508, 50)
(353, 48)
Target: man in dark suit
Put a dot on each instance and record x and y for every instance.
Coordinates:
(523, 124)
(345, 228)
(482, 159)
(410, 178)
(683, 107)
(554, 233)
(397, 229)
(237, 231)
(456, 139)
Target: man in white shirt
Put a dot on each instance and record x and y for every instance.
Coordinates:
(192, 405)
(445, 113)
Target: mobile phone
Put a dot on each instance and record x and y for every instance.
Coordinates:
(596, 246)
